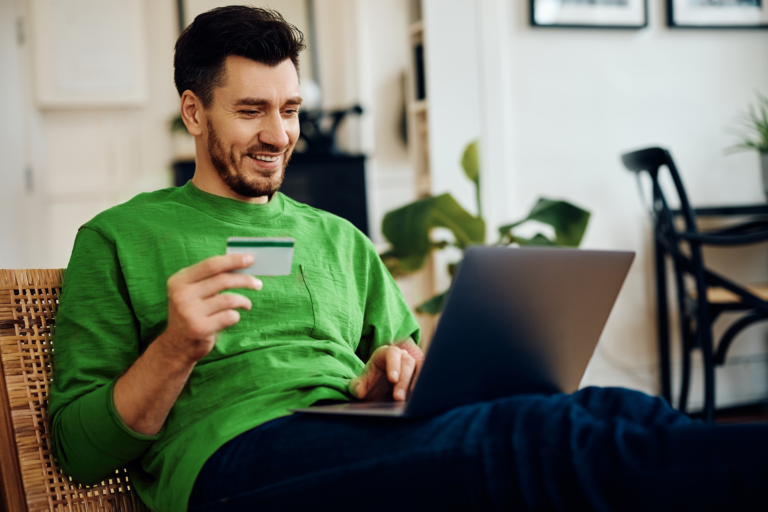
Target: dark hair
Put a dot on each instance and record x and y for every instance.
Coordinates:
(252, 32)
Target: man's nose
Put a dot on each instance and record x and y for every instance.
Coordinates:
(274, 131)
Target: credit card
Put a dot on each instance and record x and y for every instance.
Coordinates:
(271, 256)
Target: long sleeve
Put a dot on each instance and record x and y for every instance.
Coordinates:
(387, 317)
(96, 340)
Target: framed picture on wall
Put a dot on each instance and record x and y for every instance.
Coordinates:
(717, 13)
(589, 13)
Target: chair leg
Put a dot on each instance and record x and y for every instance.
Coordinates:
(687, 345)
(704, 329)
(704, 320)
(662, 322)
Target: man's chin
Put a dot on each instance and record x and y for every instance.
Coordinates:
(249, 189)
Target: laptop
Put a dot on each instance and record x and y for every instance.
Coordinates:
(516, 321)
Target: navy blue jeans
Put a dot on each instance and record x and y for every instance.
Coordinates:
(597, 449)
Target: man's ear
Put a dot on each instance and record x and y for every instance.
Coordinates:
(192, 113)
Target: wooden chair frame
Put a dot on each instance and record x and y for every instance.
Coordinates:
(30, 478)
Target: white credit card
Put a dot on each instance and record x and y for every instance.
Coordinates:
(271, 256)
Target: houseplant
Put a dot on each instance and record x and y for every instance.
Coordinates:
(753, 132)
(408, 228)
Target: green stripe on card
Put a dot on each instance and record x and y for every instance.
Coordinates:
(235, 243)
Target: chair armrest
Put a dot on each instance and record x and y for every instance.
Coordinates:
(725, 239)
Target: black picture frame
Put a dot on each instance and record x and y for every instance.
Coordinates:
(581, 18)
(706, 17)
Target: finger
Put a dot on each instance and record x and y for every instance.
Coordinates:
(212, 266)
(416, 373)
(407, 365)
(358, 387)
(392, 356)
(410, 347)
(222, 302)
(225, 281)
(223, 319)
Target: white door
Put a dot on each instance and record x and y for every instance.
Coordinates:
(13, 165)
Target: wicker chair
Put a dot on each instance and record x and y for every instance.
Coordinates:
(30, 477)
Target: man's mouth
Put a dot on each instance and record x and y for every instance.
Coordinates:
(265, 158)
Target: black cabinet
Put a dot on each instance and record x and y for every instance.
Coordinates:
(334, 183)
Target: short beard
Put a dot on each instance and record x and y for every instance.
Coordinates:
(232, 174)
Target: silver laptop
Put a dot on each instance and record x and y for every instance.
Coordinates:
(516, 320)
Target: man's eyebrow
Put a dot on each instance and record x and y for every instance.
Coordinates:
(260, 102)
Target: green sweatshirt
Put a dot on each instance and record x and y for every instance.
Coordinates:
(306, 336)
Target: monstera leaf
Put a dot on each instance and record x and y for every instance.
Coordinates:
(407, 229)
(570, 223)
(470, 162)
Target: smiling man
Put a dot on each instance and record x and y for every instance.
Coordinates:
(156, 368)
(189, 387)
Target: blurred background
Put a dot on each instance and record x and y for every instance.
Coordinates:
(87, 99)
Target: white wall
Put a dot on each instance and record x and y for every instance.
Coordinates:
(579, 99)
(87, 160)
(453, 93)
(13, 227)
(23, 206)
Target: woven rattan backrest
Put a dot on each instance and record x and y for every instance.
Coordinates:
(28, 304)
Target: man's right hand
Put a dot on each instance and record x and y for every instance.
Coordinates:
(196, 313)
(196, 309)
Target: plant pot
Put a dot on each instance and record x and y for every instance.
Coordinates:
(764, 166)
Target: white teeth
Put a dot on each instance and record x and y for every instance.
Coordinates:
(266, 158)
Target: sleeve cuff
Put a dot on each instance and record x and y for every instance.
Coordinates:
(107, 430)
(91, 440)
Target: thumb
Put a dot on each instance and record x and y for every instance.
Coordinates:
(358, 387)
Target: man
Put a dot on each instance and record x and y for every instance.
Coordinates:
(159, 370)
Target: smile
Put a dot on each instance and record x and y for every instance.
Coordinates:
(265, 158)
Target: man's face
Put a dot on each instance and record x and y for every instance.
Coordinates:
(253, 124)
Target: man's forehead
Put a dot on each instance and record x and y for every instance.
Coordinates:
(252, 82)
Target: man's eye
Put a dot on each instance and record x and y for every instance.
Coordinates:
(249, 112)
(291, 112)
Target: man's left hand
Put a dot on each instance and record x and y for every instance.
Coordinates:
(390, 373)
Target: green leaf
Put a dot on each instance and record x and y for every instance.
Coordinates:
(402, 265)
(407, 230)
(470, 161)
(570, 222)
(434, 305)
(537, 241)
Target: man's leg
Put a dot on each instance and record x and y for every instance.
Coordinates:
(598, 449)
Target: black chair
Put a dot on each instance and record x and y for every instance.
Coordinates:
(708, 294)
